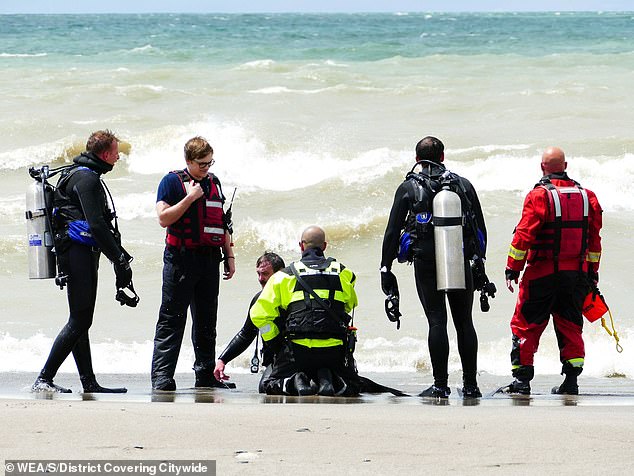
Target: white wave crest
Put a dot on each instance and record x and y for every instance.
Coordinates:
(22, 55)
(35, 154)
(406, 354)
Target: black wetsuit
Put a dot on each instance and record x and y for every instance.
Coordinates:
(85, 199)
(433, 301)
(242, 340)
(245, 336)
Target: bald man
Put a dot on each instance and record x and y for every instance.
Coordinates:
(317, 294)
(558, 240)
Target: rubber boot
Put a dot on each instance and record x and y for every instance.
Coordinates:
(519, 387)
(164, 384)
(326, 387)
(569, 386)
(90, 385)
(299, 384)
(205, 379)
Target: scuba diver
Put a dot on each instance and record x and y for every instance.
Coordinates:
(436, 223)
(558, 240)
(266, 265)
(83, 229)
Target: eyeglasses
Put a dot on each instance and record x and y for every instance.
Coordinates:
(205, 165)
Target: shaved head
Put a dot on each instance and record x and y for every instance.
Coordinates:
(553, 160)
(313, 237)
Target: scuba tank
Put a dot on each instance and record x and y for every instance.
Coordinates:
(39, 197)
(447, 221)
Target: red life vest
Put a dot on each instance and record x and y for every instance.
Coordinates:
(202, 224)
(565, 235)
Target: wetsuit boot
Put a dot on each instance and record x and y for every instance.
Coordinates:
(44, 384)
(90, 385)
(436, 391)
(470, 388)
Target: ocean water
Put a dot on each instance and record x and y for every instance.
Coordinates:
(314, 119)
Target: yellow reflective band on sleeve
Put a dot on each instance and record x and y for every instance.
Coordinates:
(517, 255)
(576, 362)
(515, 367)
(593, 257)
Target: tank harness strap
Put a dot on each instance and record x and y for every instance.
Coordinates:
(318, 300)
(447, 221)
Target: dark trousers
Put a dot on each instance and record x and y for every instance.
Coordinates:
(191, 279)
(295, 358)
(435, 307)
(81, 264)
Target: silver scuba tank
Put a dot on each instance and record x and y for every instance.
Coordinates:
(39, 233)
(447, 221)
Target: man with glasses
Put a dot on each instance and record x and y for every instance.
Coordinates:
(189, 205)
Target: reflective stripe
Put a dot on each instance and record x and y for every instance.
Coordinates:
(593, 257)
(556, 201)
(333, 270)
(515, 367)
(209, 203)
(586, 202)
(331, 342)
(268, 331)
(329, 272)
(576, 362)
(517, 255)
(209, 229)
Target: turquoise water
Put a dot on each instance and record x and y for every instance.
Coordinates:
(223, 39)
(314, 119)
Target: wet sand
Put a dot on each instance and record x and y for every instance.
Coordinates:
(247, 433)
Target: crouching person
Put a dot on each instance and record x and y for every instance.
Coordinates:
(317, 294)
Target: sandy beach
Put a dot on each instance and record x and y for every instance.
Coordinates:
(248, 433)
(314, 119)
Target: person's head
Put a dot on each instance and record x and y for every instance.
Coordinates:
(266, 265)
(105, 145)
(553, 161)
(313, 237)
(430, 148)
(199, 157)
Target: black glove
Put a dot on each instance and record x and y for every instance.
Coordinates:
(593, 277)
(123, 273)
(511, 274)
(479, 276)
(389, 285)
